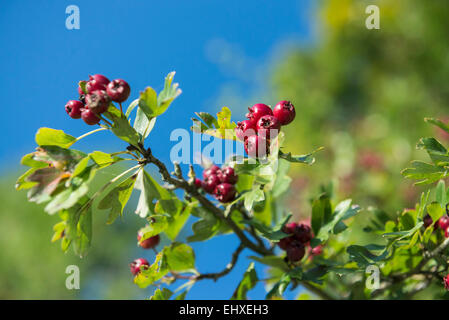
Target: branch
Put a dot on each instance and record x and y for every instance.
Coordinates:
(229, 267)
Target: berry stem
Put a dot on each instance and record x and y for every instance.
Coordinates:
(104, 119)
(121, 109)
(89, 133)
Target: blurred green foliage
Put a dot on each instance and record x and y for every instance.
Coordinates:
(363, 94)
(31, 267)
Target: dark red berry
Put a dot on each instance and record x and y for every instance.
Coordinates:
(210, 183)
(96, 82)
(225, 192)
(303, 233)
(118, 90)
(446, 282)
(212, 170)
(257, 111)
(443, 222)
(136, 265)
(73, 108)
(89, 117)
(245, 129)
(290, 228)
(427, 221)
(268, 126)
(256, 146)
(148, 243)
(227, 175)
(285, 243)
(285, 112)
(98, 101)
(198, 183)
(295, 251)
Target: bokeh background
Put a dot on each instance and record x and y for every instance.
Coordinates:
(362, 94)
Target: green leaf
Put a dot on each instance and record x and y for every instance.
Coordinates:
(425, 172)
(221, 128)
(84, 234)
(440, 194)
(436, 151)
(148, 103)
(272, 261)
(142, 125)
(435, 211)
(152, 274)
(131, 107)
(177, 222)
(163, 294)
(248, 282)
(168, 94)
(321, 212)
(364, 256)
(117, 198)
(342, 211)
(306, 159)
(273, 234)
(179, 257)
(121, 127)
(101, 158)
(67, 198)
(252, 196)
(280, 287)
(204, 229)
(158, 224)
(53, 137)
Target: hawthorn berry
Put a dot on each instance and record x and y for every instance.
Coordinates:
(284, 243)
(89, 117)
(290, 227)
(295, 251)
(73, 108)
(256, 146)
(96, 82)
(98, 101)
(268, 126)
(317, 250)
(446, 282)
(210, 183)
(225, 192)
(148, 243)
(118, 90)
(197, 183)
(136, 265)
(285, 112)
(427, 221)
(245, 129)
(446, 233)
(227, 175)
(212, 170)
(257, 111)
(303, 233)
(443, 222)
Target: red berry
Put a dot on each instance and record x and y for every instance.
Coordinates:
(148, 243)
(290, 227)
(257, 111)
(427, 221)
(285, 112)
(285, 243)
(197, 183)
(446, 282)
(136, 264)
(96, 82)
(256, 146)
(225, 192)
(89, 117)
(245, 129)
(73, 108)
(227, 175)
(268, 126)
(303, 233)
(212, 170)
(118, 90)
(98, 101)
(295, 251)
(446, 233)
(210, 183)
(317, 250)
(443, 222)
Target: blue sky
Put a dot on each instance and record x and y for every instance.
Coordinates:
(215, 46)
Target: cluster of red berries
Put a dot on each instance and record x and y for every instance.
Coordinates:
(442, 223)
(149, 243)
(295, 244)
(219, 182)
(263, 124)
(96, 97)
